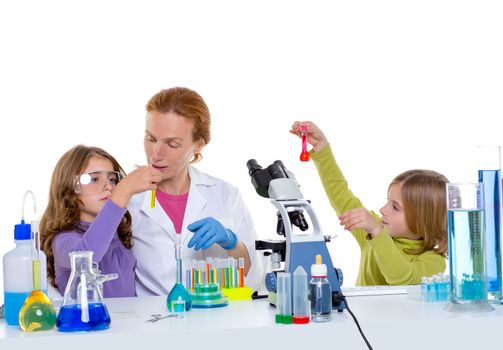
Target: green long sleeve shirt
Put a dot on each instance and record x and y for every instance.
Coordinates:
(384, 260)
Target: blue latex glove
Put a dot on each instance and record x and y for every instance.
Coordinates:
(209, 231)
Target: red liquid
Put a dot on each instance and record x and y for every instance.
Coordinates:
(241, 277)
(304, 156)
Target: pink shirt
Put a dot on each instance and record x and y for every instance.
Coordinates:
(174, 206)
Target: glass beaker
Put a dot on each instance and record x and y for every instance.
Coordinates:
(83, 308)
(466, 230)
(489, 159)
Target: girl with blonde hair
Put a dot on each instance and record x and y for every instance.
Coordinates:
(409, 240)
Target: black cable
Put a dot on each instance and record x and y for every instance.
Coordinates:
(342, 298)
(257, 296)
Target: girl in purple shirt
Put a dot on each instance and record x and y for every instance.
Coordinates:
(87, 211)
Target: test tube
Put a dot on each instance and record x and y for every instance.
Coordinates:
(152, 199)
(284, 299)
(208, 270)
(234, 272)
(227, 273)
(301, 305)
(222, 272)
(202, 271)
(241, 272)
(188, 273)
(195, 277)
(215, 274)
(232, 267)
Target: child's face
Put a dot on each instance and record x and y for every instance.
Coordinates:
(393, 216)
(92, 203)
(169, 146)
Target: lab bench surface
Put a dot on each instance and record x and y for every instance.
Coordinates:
(389, 322)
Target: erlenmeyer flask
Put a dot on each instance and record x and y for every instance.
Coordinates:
(83, 308)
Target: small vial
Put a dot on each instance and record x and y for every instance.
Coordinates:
(436, 283)
(443, 288)
(431, 291)
(178, 308)
(424, 286)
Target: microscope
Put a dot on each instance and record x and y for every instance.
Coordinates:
(279, 184)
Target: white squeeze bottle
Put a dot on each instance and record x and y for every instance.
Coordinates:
(17, 271)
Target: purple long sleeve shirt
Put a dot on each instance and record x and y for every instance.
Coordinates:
(101, 237)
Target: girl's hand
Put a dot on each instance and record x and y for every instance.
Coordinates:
(315, 136)
(360, 218)
(142, 179)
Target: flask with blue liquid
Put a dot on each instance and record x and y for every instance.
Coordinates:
(83, 308)
(490, 175)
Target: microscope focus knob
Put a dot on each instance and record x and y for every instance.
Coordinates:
(340, 276)
(270, 282)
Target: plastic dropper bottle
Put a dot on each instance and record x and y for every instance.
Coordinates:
(320, 292)
(17, 273)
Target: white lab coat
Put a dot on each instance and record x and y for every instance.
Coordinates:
(154, 232)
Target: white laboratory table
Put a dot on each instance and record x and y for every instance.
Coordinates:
(390, 322)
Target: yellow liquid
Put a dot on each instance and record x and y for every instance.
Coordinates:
(37, 313)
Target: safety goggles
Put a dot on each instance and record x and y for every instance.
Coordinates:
(96, 181)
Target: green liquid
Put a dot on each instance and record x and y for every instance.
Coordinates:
(37, 313)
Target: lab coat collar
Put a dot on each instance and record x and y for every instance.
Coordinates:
(195, 204)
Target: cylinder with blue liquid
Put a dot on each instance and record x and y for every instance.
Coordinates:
(490, 175)
(467, 254)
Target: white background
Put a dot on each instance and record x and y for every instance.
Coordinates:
(394, 84)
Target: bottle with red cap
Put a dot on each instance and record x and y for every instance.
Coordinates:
(320, 292)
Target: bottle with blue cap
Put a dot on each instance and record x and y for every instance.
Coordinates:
(17, 272)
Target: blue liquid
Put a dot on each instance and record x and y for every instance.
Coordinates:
(492, 207)
(177, 291)
(431, 292)
(13, 304)
(467, 255)
(69, 318)
(443, 291)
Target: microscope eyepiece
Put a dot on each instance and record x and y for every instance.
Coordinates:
(253, 166)
(261, 177)
(276, 171)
